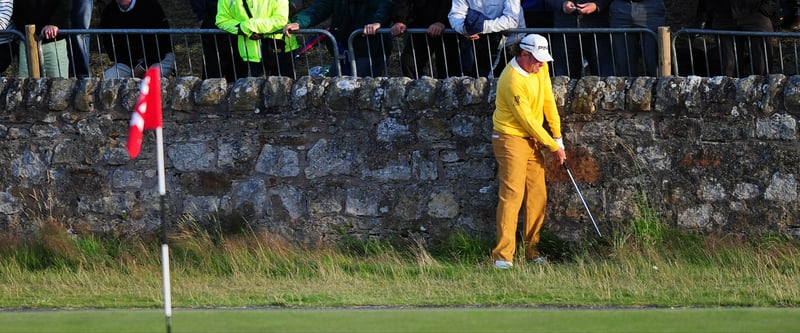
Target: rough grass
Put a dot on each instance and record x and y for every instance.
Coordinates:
(54, 269)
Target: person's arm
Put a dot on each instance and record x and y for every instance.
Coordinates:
(509, 19)
(6, 9)
(458, 12)
(315, 13)
(226, 20)
(549, 108)
(268, 19)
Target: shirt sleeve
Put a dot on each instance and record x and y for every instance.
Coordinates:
(509, 19)
(458, 12)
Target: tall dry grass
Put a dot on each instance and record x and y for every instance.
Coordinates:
(54, 268)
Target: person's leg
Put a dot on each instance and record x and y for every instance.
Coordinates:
(598, 53)
(6, 56)
(756, 46)
(79, 44)
(620, 17)
(649, 14)
(277, 61)
(416, 55)
(569, 61)
(512, 162)
(447, 58)
(118, 71)
(535, 202)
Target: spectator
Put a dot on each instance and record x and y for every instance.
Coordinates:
(79, 44)
(419, 49)
(48, 16)
(790, 14)
(6, 40)
(347, 16)
(524, 102)
(631, 48)
(133, 54)
(716, 15)
(487, 18)
(254, 21)
(220, 59)
(537, 13)
(755, 16)
(575, 48)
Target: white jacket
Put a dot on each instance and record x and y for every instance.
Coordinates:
(502, 14)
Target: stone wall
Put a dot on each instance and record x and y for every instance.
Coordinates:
(317, 158)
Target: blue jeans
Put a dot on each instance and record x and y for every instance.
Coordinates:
(79, 44)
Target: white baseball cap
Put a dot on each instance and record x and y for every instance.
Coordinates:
(537, 46)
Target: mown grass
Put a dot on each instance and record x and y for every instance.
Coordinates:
(56, 269)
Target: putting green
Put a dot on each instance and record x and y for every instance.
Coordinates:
(354, 320)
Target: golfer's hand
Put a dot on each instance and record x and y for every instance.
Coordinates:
(560, 155)
(287, 29)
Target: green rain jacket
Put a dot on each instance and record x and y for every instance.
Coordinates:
(267, 17)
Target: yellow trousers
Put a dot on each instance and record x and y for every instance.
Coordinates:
(521, 176)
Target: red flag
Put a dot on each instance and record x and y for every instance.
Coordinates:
(147, 113)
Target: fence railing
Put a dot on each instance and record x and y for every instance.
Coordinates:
(578, 52)
(706, 52)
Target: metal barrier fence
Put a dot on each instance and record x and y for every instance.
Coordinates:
(706, 52)
(9, 50)
(578, 52)
(202, 53)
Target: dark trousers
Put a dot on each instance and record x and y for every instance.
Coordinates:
(222, 58)
(632, 49)
(421, 50)
(570, 50)
(7, 52)
(275, 61)
(479, 56)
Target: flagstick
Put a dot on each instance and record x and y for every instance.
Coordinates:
(162, 191)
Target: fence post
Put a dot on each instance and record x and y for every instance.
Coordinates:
(32, 51)
(664, 52)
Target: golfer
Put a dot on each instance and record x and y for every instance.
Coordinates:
(524, 100)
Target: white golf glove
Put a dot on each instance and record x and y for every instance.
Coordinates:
(560, 142)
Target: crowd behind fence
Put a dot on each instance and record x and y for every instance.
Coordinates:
(578, 52)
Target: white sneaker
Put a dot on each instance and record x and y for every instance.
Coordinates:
(503, 264)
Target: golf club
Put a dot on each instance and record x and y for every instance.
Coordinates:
(582, 200)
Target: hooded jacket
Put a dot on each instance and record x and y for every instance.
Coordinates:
(264, 18)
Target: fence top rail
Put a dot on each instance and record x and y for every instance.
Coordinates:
(12, 32)
(173, 31)
(735, 33)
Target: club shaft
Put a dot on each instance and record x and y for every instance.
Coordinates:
(582, 199)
